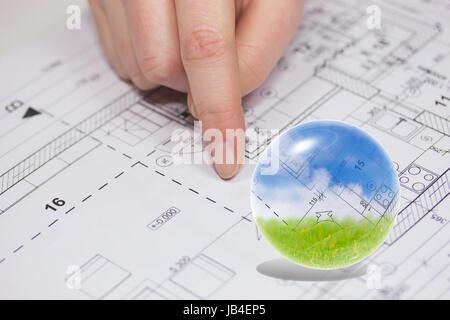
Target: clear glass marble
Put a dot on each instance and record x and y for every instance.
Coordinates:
(324, 194)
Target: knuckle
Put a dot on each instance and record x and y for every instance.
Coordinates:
(158, 69)
(203, 43)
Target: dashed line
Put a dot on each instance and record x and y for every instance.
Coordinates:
(208, 198)
(65, 122)
(80, 131)
(56, 220)
(134, 164)
(177, 182)
(143, 164)
(35, 236)
(162, 174)
(86, 198)
(228, 209)
(69, 210)
(138, 162)
(95, 139)
(111, 147)
(150, 153)
(127, 156)
(119, 175)
(194, 191)
(103, 186)
(17, 249)
(268, 207)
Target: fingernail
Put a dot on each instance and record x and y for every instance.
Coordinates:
(226, 170)
(191, 106)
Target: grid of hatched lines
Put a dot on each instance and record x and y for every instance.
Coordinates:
(66, 140)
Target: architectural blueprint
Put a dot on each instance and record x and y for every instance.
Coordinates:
(92, 204)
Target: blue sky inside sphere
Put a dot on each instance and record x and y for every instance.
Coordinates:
(326, 166)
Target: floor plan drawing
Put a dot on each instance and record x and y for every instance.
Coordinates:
(87, 177)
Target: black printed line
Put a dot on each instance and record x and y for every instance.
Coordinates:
(177, 182)
(207, 198)
(436, 190)
(103, 186)
(95, 139)
(127, 156)
(162, 174)
(17, 249)
(245, 218)
(284, 222)
(138, 162)
(143, 164)
(2, 260)
(69, 210)
(194, 191)
(119, 175)
(132, 166)
(150, 153)
(268, 207)
(53, 223)
(48, 113)
(36, 235)
(65, 122)
(229, 209)
(111, 147)
(86, 198)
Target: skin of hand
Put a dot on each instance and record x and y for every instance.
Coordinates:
(215, 50)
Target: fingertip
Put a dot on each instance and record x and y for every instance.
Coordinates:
(227, 171)
(227, 152)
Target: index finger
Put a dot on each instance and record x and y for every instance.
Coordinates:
(209, 55)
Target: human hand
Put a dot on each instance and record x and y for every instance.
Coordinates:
(215, 50)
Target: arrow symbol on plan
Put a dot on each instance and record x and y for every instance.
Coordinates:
(30, 113)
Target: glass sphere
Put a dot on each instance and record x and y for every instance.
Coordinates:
(324, 194)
